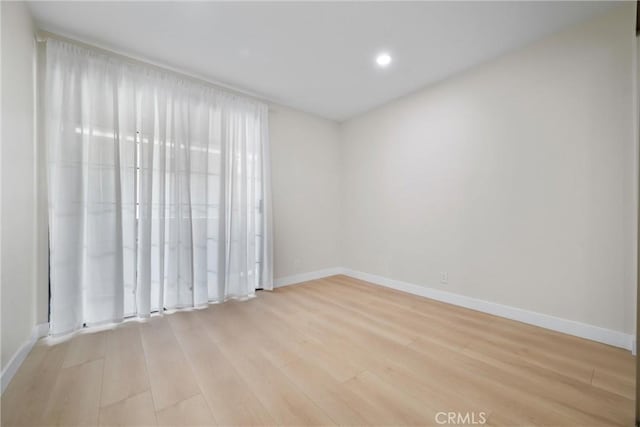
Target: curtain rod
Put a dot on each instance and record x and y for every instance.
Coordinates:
(42, 36)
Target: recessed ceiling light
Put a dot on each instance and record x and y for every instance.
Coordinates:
(383, 59)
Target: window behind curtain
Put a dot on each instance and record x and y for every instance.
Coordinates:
(158, 196)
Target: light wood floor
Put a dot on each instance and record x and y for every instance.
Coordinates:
(331, 351)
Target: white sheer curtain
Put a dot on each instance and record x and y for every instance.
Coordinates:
(158, 190)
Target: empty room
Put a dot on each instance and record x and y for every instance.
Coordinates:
(296, 213)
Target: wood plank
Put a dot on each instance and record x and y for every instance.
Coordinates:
(25, 400)
(228, 395)
(85, 347)
(170, 376)
(125, 370)
(75, 397)
(133, 411)
(190, 412)
(288, 405)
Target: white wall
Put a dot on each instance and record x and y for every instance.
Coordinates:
(516, 177)
(305, 159)
(19, 203)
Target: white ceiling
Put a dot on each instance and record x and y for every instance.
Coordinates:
(316, 57)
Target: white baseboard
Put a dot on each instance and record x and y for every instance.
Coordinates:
(305, 277)
(10, 370)
(571, 327)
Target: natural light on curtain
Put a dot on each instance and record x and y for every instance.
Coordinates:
(158, 190)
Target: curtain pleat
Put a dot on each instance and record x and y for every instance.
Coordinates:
(158, 190)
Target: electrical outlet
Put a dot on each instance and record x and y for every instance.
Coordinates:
(444, 277)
